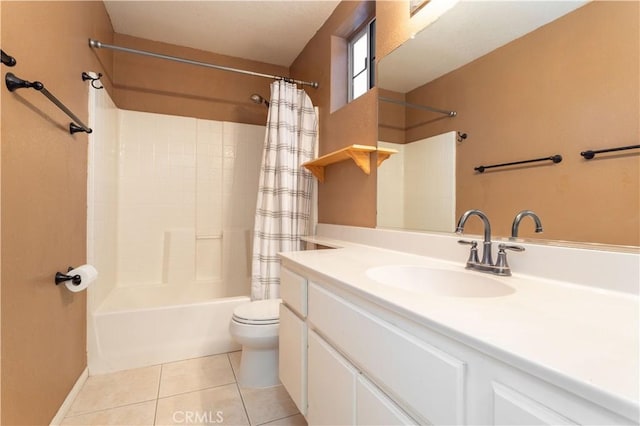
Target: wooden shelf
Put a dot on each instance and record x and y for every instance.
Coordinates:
(358, 153)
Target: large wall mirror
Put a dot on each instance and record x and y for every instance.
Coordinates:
(523, 80)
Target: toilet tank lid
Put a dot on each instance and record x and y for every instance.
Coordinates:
(259, 310)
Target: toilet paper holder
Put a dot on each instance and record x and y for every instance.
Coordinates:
(60, 277)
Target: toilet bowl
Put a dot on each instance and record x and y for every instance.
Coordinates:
(255, 325)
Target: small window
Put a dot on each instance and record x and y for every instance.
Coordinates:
(361, 60)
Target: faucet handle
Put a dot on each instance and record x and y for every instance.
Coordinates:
(473, 254)
(502, 256)
(503, 247)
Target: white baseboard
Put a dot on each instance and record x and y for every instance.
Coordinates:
(64, 408)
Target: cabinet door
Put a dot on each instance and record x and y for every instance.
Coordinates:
(373, 407)
(292, 357)
(332, 385)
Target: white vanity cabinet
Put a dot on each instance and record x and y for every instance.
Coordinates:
(326, 387)
(425, 378)
(368, 364)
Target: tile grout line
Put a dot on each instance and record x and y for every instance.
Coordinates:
(196, 390)
(84, 413)
(275, 420)
(244, 405)
(207, 387)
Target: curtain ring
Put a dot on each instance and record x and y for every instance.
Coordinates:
(86, 76)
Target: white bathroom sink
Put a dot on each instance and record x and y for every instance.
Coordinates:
(438, 282)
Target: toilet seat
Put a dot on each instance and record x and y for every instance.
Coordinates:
(259, 312)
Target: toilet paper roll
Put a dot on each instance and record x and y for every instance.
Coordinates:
(88, 274)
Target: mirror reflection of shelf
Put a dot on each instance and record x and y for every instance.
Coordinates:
(358, 153)
(384, 153)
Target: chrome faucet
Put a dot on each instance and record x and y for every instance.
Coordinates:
(501, 267)
(518, 219)
(486, 245)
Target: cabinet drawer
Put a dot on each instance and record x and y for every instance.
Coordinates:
(373, 407)
(293, 291)
(428, 381)
(292, 357)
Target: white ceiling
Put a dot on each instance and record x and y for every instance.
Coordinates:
(466, 32)
(274, 32)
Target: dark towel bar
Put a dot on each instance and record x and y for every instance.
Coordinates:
(588, 155)
(13, 83)
(555, 158)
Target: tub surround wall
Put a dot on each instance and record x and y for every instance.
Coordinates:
(170, 218)
(186, 193)
(102, 196)
(44, 202)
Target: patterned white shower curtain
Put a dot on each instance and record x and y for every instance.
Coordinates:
(284, 195)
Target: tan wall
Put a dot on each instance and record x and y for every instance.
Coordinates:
(394, 26)
(570, 86)
(155, 85)
(44, 203)
(392, 123)
(347, 196)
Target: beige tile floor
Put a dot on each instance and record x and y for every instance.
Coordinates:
(201, 391)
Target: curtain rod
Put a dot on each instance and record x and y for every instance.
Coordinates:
(99, 45)
(426, 108)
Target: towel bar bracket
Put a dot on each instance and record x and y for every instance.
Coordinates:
(14, 83)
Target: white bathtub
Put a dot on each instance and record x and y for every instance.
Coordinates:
(148, 325)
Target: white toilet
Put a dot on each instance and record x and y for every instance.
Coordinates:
(255, 326)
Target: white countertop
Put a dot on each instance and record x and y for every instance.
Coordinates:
(583, 339)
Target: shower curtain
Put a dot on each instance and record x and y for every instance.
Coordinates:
(284, 195)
